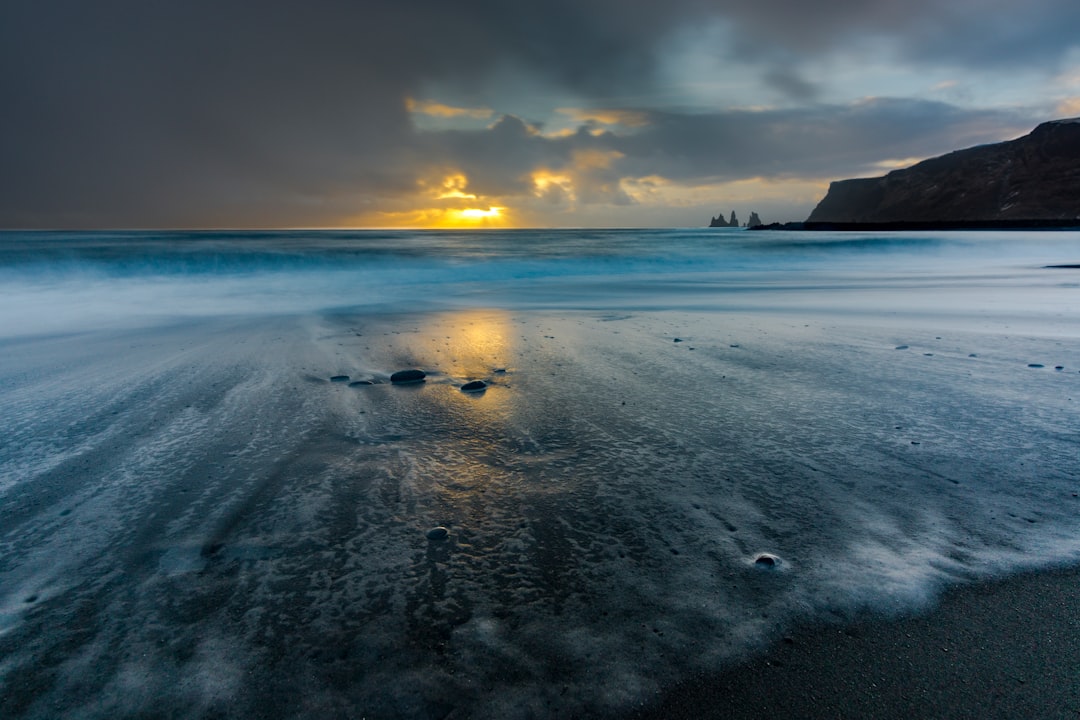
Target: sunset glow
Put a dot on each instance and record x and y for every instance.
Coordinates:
(478, 214)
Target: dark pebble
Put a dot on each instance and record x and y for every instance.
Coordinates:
(678, 340)
(408, 376)
(1059, 367)
(499, 371)
(358, 383)
(901, 347)
(32, 598)
(340, 378)
(972, 355)
(1035, 365)
(474, 386)
(438, 533)
(766, 560)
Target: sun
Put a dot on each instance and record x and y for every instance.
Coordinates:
(436, 218)
(492, 213)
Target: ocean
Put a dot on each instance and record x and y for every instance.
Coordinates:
(214, 502)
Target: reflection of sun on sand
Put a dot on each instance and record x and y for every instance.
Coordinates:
(471, 344)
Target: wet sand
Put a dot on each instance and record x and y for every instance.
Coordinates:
(1005, 649)
(211, 517)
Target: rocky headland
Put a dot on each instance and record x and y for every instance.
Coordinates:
(1032, 181)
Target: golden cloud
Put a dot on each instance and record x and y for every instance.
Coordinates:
(625, 118)
(595, 159)
(439, 110)
(1070, 107)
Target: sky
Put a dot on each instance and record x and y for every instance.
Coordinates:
(498, 113)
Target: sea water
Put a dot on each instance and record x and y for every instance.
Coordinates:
(193, 515)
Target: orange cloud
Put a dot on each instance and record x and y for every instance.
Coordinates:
(454, 187)
(439, 110)
(1070, 107)
(595, 159)
(552, 186)
(626, 118)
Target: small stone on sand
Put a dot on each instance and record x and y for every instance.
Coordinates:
(340, 378)
(766, 560)
(358, 383)
(474, 386)
(678, 340)
(901, 347)
(402, 377)
(438, 533)
(1035, 365)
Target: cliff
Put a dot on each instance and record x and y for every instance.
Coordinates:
(1032, 178)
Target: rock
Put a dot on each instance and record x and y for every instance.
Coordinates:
(474, 386)
(901, 347)
(340, 378)
(754, 220)
(403, 377)
(437, 534)
(1035, 365)
(358, 383)
(678, 339)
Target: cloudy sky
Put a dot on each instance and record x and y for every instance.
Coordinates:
(438, 113)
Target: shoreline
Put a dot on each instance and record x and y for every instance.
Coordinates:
(923, 225)
(1001, 648)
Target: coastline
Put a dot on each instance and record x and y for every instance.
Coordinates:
(924, 225)
(1003, 648)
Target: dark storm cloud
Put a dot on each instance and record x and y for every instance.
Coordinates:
(272, 112)
(817, 142)
(822, 141)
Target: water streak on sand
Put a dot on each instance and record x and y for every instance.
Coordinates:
(193, 516)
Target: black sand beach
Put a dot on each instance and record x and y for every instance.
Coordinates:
(1005, 649)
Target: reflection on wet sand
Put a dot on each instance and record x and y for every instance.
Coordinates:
(235, 534)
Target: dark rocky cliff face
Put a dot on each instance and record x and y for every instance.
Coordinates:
(1036, 177)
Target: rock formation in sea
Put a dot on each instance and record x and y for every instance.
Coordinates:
(719, 221)
(1032, 178)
